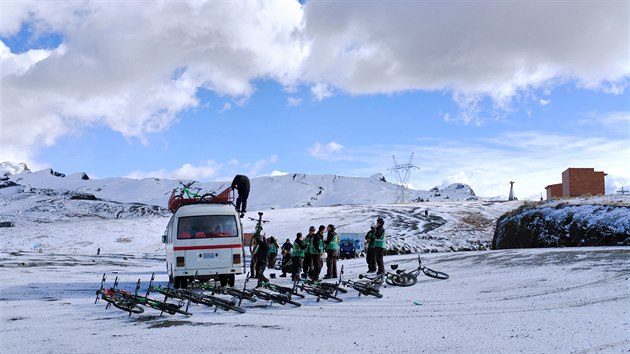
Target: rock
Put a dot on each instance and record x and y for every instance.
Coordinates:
(563, 225)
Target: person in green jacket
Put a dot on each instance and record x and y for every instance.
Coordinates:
(273, 253)
(379, 245)
(297, 254)
(307, 254)
(332, 246)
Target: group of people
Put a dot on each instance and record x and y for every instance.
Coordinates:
(304, 255)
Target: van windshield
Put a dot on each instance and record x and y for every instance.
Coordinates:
(206, 226)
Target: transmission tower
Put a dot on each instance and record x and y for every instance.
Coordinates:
(403, 172)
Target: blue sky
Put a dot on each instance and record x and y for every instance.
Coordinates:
(479, 94)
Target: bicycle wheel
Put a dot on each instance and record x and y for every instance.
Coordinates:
(169, 308)
(366, 290)
(401, 279)
(434, 273)
(229, 306)
(294, 303)
(128, 306)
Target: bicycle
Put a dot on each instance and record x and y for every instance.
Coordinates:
(367, 285)
(402, 278)
(282, 299)
(285, 290)
(113, 297)
(178, 199)
(155, 304)
(198, 298)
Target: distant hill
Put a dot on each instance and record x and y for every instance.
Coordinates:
(287, 191)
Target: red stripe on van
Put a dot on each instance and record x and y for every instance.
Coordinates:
(190, 248)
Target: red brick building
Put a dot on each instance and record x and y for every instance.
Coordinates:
(554, 191)
(578, 182)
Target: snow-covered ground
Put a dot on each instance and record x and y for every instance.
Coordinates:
(537, 300)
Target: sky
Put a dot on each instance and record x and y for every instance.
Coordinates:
(479, 92)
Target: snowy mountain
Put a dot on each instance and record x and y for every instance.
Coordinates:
(288, 191)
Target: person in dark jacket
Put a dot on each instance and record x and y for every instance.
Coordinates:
(332, 247)
(369, 246)
(317, 248)
(307, 254)
(262, 254)
(241, 183)
(297, 254)
(286, 258)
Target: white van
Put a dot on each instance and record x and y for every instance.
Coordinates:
(206, 240)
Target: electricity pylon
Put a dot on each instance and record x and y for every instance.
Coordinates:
(403, 172)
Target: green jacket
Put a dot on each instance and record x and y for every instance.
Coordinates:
(380, 238)
(297, 251)
(332, 241)
(369, 239)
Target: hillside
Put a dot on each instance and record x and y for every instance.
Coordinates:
(288, 191)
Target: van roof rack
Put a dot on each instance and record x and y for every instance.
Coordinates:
(225, 197)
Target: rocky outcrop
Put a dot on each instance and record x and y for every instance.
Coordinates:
(564, 225)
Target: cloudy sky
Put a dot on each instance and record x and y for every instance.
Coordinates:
(481, 92)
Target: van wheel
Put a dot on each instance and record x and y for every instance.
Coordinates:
(223, 280)
(180, 282)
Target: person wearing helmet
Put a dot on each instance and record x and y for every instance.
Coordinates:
(379, 245)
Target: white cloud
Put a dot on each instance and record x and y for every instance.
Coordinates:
(275, 173)
(321, 91)
(294, 101)
(326, 152)
(134, 67)
(205, 170)
(474, 48)
(255, 168)
(226, 107)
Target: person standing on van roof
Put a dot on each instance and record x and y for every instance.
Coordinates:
(332, 246)
(241, 183)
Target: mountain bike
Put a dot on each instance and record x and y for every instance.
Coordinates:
(243, 294)
(285, 290)
(187, 196)
(155, 304)
(403, 278)
(113, 297)
(198, 298)
(279, 298)
(366, 285)
(323, 290)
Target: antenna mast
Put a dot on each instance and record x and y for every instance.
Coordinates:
(403, 172)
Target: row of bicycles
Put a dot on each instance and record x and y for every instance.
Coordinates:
(177, 301)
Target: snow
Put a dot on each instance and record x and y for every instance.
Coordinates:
(543, 300)
(527, 300)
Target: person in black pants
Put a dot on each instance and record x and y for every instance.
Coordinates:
(241, 183)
